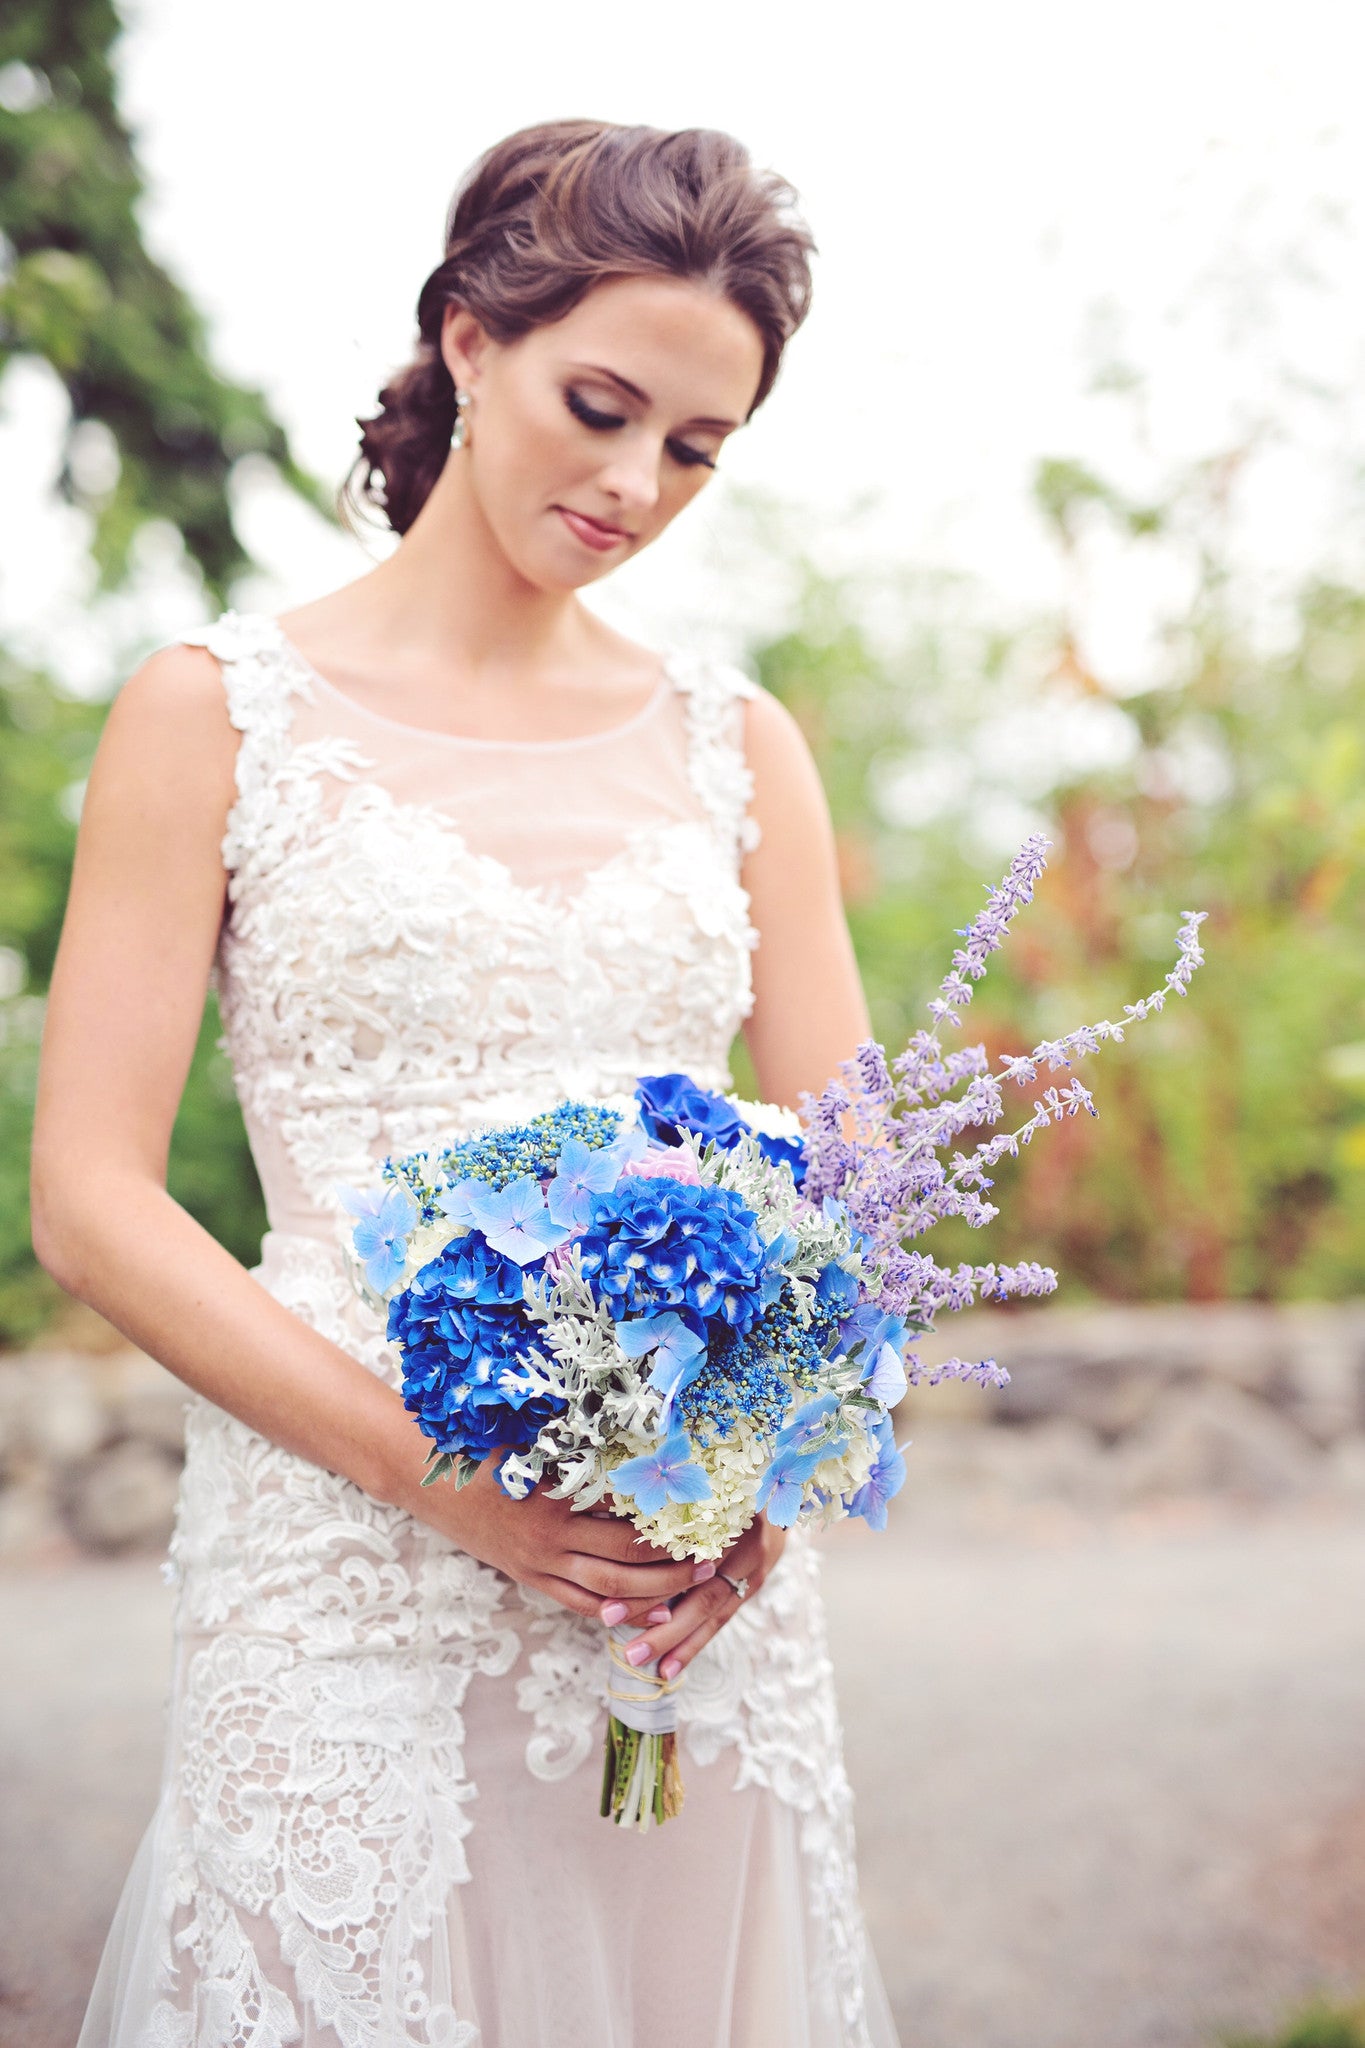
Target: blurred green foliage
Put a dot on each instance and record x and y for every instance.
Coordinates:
(80, 292)
(1228, 1158)
(1320, 2025)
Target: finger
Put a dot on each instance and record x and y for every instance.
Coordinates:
(634, 1613)
(612, 1536)
(746, 1553)
(653, 1583)
(681, 1655)
(685, 1615)
(566, 1593)
(654, 1605)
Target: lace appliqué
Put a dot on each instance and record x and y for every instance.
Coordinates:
(565, 1691)
(721, 775)
(321, 1799)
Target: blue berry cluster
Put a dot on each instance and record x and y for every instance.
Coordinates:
(500, 1157)
(754, 1373)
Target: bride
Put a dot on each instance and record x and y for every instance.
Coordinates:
(448, 848)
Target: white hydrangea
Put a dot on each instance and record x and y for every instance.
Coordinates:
(836, 1480)
(705, 1528)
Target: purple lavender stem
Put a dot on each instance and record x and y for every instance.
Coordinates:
(887, 1172)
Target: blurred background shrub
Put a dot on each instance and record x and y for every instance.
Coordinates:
(1318, 2026)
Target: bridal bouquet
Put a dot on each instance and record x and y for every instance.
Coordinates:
(694, 1309)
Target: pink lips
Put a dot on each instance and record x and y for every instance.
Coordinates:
(592, 532)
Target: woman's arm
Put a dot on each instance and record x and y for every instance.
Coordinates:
(809, 1008)
(142, 922)
(809, 1013)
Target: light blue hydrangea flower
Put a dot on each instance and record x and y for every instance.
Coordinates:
(679, 1352)
(383, 1220)
(514, 1220)
(885, 1380)
(664, 1474)
(803, 1445)
(583, 1172)
(881, 1338)
(884, 1481)
(456, 1200)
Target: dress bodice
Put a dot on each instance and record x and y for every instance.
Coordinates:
(424, 931)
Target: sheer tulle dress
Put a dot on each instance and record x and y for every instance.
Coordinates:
(378, 1825)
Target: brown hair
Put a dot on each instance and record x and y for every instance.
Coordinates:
(543, 217)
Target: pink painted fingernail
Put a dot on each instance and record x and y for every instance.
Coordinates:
(669, 1668)
(703, 1572)
(657, 1614)
(638, 1651)
(614, 1611)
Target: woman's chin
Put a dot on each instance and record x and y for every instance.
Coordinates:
(557, 573)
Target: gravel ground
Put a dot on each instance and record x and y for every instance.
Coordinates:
(1111, 1776)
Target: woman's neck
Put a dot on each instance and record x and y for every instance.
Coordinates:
(449, 588)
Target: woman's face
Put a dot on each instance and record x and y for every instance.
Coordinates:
(586, 437)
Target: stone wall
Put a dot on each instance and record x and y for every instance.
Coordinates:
(90, 1451)
(1110, 1407)
(1106, 1407)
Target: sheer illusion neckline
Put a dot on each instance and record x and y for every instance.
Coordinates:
(661, 690)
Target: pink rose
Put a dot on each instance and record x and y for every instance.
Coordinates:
(665, 1162)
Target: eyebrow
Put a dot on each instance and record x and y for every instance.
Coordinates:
(643, 398)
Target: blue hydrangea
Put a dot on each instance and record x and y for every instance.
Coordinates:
(667, 1473)
(837, 1288)
(384, 1219)
(466, 1344)
(784, 1152)
(673, 1103)
(655, 1243)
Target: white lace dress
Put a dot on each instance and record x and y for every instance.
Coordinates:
(378, 1821)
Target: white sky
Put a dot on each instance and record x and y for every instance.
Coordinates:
(998, 191)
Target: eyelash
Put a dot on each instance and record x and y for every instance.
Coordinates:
(604, 422)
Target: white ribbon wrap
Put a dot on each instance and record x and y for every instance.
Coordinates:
(638, 1696)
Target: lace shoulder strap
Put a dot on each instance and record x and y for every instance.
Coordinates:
(260, 684)
(713, 694)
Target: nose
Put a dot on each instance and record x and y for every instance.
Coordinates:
(632, 477)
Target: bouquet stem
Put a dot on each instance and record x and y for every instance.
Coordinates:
(641, 1779)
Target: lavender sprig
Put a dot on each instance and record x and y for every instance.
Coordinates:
(874, 1133)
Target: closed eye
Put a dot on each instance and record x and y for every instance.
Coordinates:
(689, 457)
(606, 423)
(600, 422)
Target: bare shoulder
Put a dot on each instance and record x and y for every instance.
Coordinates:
(173, 710)
(177, 692)
(779, 758)
(168, 746)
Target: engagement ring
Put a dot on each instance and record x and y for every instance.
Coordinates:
(741, 1586)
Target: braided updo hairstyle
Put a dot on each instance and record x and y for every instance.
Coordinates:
(543, 217)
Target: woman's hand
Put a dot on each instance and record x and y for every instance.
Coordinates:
(675, 1632)
(580, 1559)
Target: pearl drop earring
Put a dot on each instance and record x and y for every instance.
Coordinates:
(460, 431)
